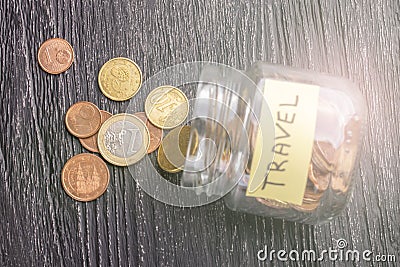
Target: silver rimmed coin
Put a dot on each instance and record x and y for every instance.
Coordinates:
(123, 139)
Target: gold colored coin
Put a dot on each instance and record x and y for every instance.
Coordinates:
(164, 163)
(277, 204)
(85, 177)
(120, 79)
(167, 107)
(123, 139)
(172, 151)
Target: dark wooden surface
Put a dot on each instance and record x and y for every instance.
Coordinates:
(40, 225)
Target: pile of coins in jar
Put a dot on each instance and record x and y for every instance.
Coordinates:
(319, 172)
(324, 172)
(121, 139)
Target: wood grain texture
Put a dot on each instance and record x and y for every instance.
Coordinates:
(40, 225)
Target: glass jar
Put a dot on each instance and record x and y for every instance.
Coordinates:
(282, 141)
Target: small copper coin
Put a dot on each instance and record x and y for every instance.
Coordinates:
(156, 134)
(90, 143)
(55, 55)
(83, 119)
(85, 177)
(166, 107)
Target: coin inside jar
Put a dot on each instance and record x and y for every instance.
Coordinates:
(167, 107)
(156, 133)
(85, 177)
(55, 55)
(120, 79)
(83, 119)
(90, 143)
(123, 139)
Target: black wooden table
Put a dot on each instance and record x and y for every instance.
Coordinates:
(41, 225)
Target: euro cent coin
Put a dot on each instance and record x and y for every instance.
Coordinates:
(55, 55)
(172, 152)
(90, 143)
(123, 139)
(156, 134)
(167, 107)
(85, 177)
(163, 162)
(120, 79)
(83, 119)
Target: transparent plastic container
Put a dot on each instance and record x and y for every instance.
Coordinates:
(229, 116)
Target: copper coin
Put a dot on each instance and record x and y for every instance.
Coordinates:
(156, 134)
(90, 143)
(276, 204)
(85, 177)
(83, 119)
(321, 155)
(55, 55)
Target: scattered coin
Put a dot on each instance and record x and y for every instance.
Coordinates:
(85, 177)
(55, 55)
(120, 79)
(90, 143)
(156, 133)
(167, 107)
(83, 119)
(164, 163)
(172, 152)
(123, 139)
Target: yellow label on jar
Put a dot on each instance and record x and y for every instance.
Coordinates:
(294, 110)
